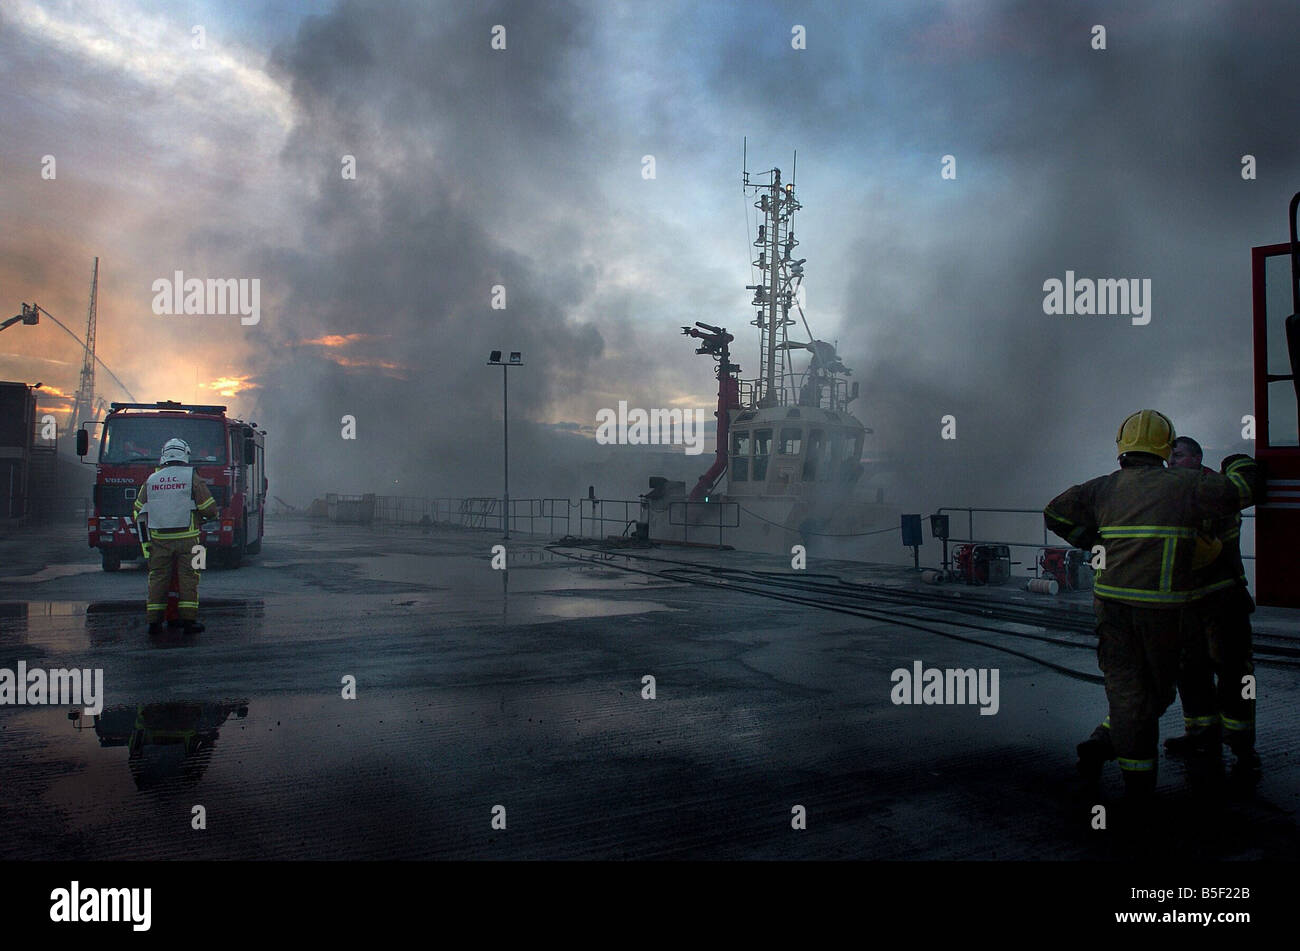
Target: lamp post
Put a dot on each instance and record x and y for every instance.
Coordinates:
(516, 360)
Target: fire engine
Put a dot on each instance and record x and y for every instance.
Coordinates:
(228, 454)
(1275, 272)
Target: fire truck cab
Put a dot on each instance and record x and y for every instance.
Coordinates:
(228, 454)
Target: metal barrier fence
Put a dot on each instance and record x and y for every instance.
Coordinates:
(718, 507)
(588, 518)
(598, 513)
(1048, 541)
(549, 516)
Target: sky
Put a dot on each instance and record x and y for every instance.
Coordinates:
(210, 139)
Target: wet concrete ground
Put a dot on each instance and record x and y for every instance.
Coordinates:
(479, 688)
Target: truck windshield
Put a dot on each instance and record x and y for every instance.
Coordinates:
(141, 438)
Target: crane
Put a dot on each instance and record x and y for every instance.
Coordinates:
(84, 403)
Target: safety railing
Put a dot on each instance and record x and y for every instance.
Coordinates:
(527, 516)
(727, 516)
(598, 518)
(555, 513)
(834, 393)
(587, 518)
(1049, 541)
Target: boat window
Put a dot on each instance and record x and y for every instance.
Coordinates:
(834, 453)
(740, 456)
(791, 441)
(762, 449)
(849, 450)
(816, 443)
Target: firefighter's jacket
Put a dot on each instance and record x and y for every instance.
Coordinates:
(173, 497)
(1147, 517)
(1228, 570)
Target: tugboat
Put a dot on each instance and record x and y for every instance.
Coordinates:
(788, 468)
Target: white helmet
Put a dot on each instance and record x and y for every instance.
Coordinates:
(175, 450)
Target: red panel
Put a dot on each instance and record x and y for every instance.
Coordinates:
(1277, 515)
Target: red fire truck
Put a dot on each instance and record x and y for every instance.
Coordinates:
(1276, 283)
(229, 454)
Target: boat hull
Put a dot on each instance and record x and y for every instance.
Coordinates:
(852, 529)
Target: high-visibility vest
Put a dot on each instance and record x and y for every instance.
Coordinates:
(169, 498)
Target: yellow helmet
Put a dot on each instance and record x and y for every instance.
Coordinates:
(1146, 431)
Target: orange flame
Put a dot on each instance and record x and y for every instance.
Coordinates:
(338, 340)
(376, 364)
(230, 385)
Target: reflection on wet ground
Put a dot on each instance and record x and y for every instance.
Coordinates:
(165, 742)
(527, 689)
(49, 573)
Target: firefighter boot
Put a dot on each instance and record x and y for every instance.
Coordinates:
(1196, 741)
(1139, 795)
(1135, 818)
(1246, 767)
(192, 627)
(1095, 751)
(155, 628)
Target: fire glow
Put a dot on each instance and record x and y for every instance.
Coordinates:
(230, 385)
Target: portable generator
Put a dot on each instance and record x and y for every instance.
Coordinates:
(983, 564)
(1078, 570)
(1068, 567)
(1052, 563)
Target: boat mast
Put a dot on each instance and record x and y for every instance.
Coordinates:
(773, 295)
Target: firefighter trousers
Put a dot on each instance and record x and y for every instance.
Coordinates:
(1138, 650)
(1217, 639)
(163, 554)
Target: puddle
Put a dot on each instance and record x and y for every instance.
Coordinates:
(51, 572)
(167, 743)
(560, 606)
(472, 576)
(71, 626)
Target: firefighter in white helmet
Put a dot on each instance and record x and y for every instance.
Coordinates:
(175, 501)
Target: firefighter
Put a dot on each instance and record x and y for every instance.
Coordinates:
(1095, 751)
(172, 498)
(1218, 641)
(1145, 517)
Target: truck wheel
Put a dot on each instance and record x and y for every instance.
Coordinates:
(110, 560)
